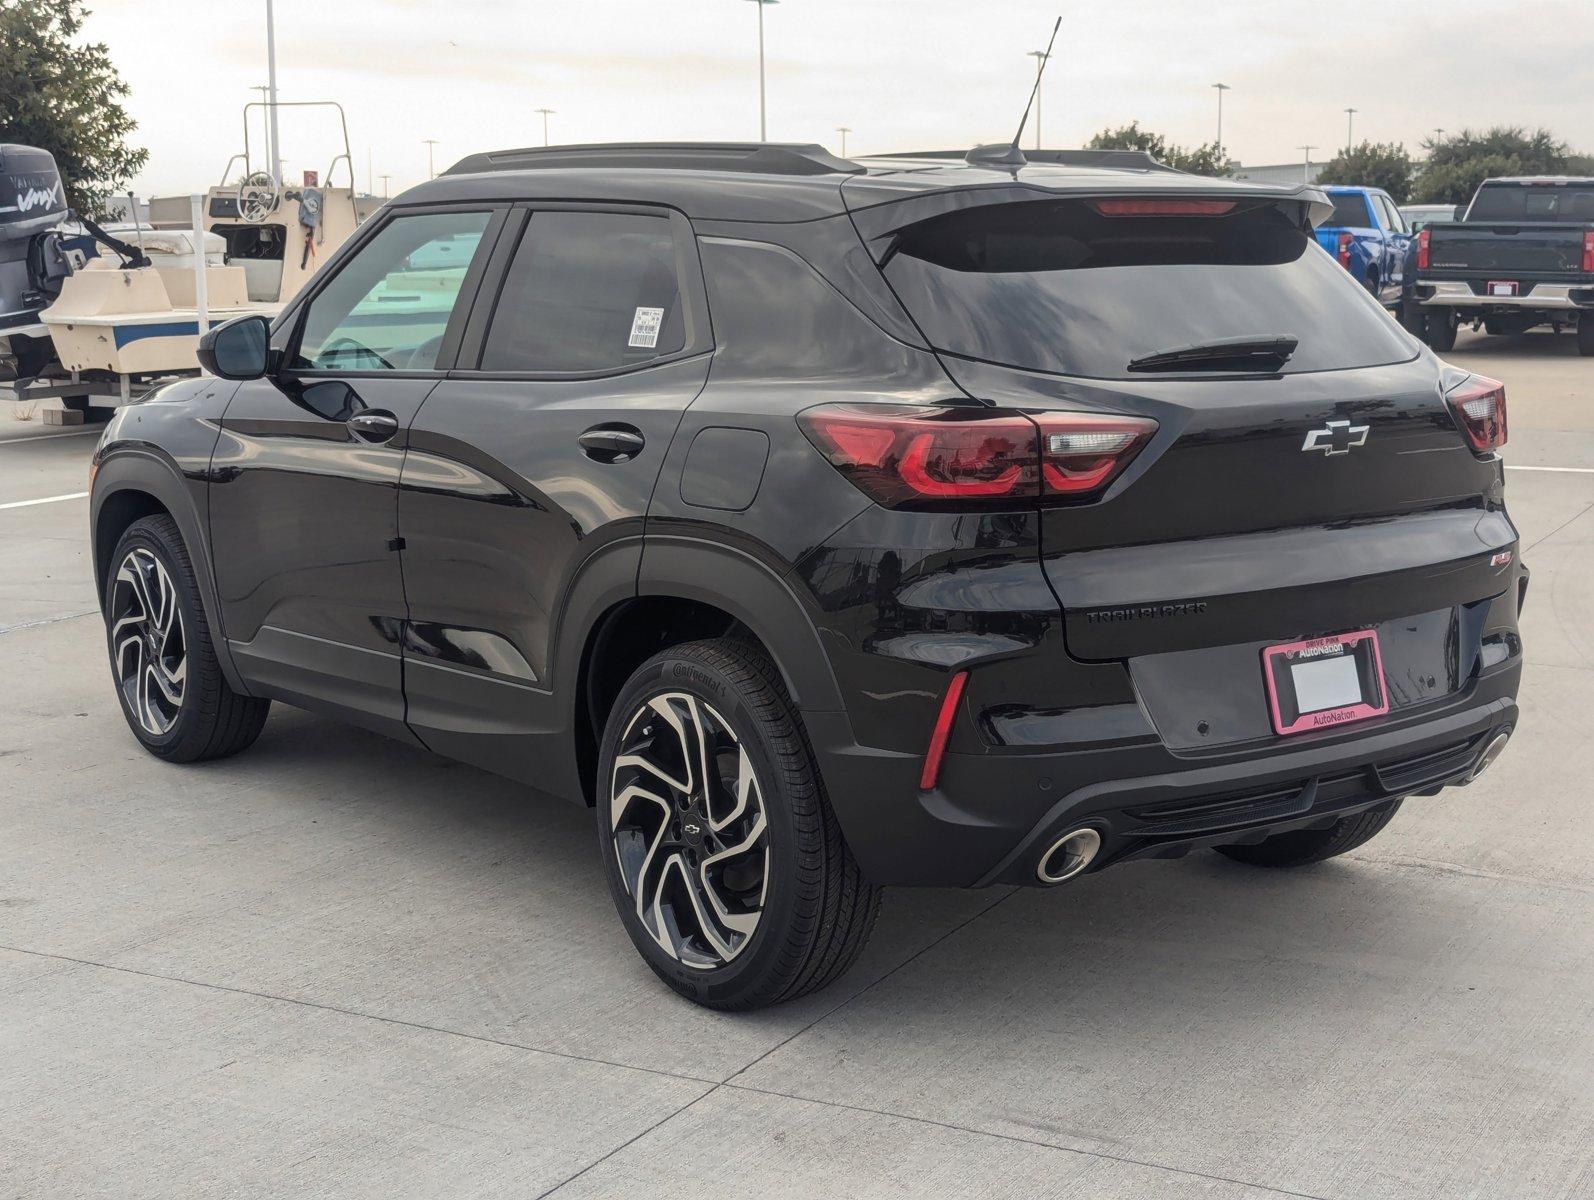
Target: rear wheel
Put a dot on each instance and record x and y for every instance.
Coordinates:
(725, 861)
(1441, 331)
(173, 694)
(1415, 318)
(1585, 335)
(1306, 846)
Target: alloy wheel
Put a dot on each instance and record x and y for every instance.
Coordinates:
(148, 646)
(689, 830)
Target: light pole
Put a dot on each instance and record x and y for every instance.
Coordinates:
(384, 179)
(431, 172)
(763, 128)
(546, 113)
(273, 148)
(1306, 171)
(1040, 57)
(1221, 88)
(843, 130)
(1350, 128)
(1440, 135)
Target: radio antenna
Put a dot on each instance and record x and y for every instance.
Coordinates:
(1035, 91)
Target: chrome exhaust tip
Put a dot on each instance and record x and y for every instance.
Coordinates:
(1488, 754)
(1069, 855)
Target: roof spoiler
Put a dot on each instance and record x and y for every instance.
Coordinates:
(1122, 160)
(760, 158)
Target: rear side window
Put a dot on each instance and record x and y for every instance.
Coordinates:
(1534, 202)
(1056, 286)
(1350, 211)
(587, 291)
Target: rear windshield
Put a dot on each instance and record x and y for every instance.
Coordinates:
(1533, 202)
(1350, 211)
(1053, 285)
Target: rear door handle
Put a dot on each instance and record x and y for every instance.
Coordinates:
(612, 443)
(373, 425)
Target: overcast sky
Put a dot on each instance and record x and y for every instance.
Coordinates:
(905, 74)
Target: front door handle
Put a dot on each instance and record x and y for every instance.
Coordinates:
(373, 425)
(612, 443)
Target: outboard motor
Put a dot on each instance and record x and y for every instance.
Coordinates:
(32, 204)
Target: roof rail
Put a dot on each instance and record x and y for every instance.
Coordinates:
(1123, 160)
(762, 158)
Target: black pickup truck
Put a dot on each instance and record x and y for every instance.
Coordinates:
(1521, 256)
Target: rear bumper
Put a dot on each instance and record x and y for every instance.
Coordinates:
(1459, 294)
(993, 816)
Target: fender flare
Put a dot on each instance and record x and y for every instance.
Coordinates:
(126, 468)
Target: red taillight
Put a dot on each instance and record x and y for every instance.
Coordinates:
(1083, 452)
(1346, 241)
(912, 456)
(1152, 207)
(1479, 405)
(1422, 249)
(1588, 251)
(942, 732)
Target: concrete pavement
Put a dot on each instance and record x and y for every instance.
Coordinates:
(339, 966)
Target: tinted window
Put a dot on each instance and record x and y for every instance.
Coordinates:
(387, 308)
(587, 292)
(1350, 211)
(1055, 286)
(1533, 202)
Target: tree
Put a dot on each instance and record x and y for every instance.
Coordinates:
(1457, 165)
(1207, 159)
(1372, 164)
(64, 98)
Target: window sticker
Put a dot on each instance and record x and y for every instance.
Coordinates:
(645, 328)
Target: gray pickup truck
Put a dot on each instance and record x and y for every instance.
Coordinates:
(1521, 256)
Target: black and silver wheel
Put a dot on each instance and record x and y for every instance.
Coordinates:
(1302, 847)
(167, 677)
(724, 859)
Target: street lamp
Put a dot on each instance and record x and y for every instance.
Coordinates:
(763, 128)
(431, 171)
(1221, 88)
(384, 179)
(1306, 171)
(546, 113)
(1040, 57)
(273, 146)
(843, 130)
(1440, 133)
(1350, 128)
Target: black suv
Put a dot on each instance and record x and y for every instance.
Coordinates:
(825, 525)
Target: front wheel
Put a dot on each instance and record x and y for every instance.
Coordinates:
(725, 861)
(171, 688)
(1303, 847)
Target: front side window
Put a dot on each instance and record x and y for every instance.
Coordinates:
(587, 291)
(388, 307)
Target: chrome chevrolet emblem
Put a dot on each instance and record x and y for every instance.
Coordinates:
(1337, 437)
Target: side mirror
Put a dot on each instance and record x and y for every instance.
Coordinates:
(238, 349)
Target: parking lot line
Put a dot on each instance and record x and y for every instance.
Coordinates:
(1557, 470)
(43, 500)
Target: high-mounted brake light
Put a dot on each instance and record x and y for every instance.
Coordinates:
(1479, 405)
(918, 456)
(1588, 251)
(1423, 237)
(1346, 241)
(1153, 207)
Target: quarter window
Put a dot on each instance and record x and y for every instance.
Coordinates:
(587, 291)
(388, 307)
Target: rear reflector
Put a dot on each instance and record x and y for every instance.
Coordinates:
(942, 732)
(1423, 237)
(1153, 207)
(920, 456)
(1479, 405)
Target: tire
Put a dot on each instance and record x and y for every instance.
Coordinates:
(1306, 846)
(151, 574)
(1441, 331)
(798, 911)
(1585, 334)
(1415, 319)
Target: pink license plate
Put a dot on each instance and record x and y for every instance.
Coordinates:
(1324, 681)
(1504, 287)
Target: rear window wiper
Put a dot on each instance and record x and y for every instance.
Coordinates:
(1223, 354)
